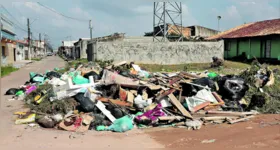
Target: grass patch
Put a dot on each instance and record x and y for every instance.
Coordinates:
(7, 70)
(36, 59)
(228, 68)
(76, 63)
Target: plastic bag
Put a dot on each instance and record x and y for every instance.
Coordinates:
(20, 92)
(140, 103)
(233, 88)
(121, 125)
(94, 74)
(12, 91)
(212, 75)
(206, 82)
(53, 74)
(85, 103)
(80, 80)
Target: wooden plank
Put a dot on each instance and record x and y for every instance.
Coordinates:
(198, 107)
(161, 96)
(179, 106)
(232, 113)
(218, 118)
(240, 120)
(165, 118)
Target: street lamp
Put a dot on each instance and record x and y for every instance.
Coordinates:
(219, 18)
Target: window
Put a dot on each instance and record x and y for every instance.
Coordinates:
(267, 49)
(227, 46)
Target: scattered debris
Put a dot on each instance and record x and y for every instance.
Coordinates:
(208, 141)
(123, 95)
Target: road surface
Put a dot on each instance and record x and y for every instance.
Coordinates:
(252, 134)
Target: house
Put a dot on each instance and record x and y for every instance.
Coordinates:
(21, 50)
(81, 48)
(172, 30)
(38, 48)
(8, 42)
(258, 39)
(67, 49)
(189, 32)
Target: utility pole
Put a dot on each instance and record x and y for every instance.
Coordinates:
(90, 28)
(0, 43)
(40, 43)
(29, 40)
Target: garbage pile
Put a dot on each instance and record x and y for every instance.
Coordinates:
(123, 96)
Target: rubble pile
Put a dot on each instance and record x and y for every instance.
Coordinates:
(122, 96)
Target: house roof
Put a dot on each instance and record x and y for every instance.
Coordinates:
(262, 28)
(21, 42)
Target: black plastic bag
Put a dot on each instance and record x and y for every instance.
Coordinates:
(94, 74)
(205, 82)
(53, 74)
(86, 105)
(12, 91)
(232, 88)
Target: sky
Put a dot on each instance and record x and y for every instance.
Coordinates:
(133, 17)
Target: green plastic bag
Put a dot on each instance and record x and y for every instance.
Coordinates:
(39, 79)
(101, 128)
(19, 93)
(80, 80)
(32, 74)
(212, 75)
(121, 125)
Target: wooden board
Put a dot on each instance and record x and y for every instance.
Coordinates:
(181, 108)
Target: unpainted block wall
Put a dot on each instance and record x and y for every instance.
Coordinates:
(160, 53)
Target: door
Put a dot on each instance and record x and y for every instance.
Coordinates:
(15, 54)
(267, 49)
(90, 52)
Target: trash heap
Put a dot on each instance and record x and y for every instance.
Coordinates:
(122, 96)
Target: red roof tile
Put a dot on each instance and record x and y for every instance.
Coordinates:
(262, 28)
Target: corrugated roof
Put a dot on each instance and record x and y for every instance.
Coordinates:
(262, 28)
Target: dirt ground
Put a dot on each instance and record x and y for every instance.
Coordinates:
(260, 132)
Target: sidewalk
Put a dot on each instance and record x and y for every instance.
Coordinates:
(21, 63)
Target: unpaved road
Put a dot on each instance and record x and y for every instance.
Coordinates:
(251, 135)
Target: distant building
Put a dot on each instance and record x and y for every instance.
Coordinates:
(199, 31)
(81, 48)
(21, 50)
(258, 39)
(8, 41)
(191, 32)
(67, 48)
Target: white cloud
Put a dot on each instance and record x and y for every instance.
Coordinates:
(34, 6)
(143, 9)
(188, 18)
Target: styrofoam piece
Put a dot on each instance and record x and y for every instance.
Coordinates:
(165, 102)
(206, 95)
(72, 86)
(107, 113)
(136, 67)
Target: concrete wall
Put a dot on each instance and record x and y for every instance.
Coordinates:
(9, 59)
(159, 53)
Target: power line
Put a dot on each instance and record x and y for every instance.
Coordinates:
(16, 25)
(77, 19)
